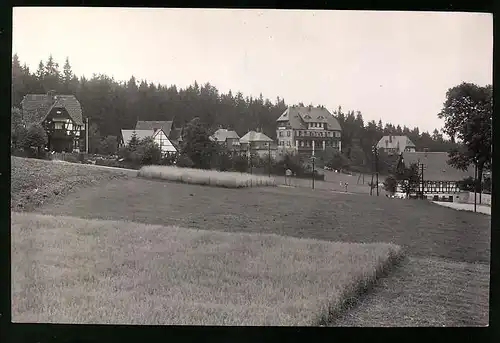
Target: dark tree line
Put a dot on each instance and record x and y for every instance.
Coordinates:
(113, 105)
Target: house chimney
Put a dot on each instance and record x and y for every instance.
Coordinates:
(51, 94)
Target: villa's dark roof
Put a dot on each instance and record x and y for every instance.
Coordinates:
(298, 116)
(36, 107)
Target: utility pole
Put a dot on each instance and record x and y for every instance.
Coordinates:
(422, 178)
(269, 144)
(475, 187)
(376, 167)
(313, 158)
(373, 164)
(87, 136)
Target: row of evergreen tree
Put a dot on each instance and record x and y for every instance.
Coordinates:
(113, 105)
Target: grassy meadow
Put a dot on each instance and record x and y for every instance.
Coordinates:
(70, 270)
(205, 177)
(37, 182)
(90, 269)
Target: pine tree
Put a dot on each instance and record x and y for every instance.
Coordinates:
(134, 142)
(40, 73)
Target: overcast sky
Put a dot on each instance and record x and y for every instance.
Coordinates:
(394, 66)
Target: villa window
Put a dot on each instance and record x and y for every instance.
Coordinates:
(58, 126)
(288, 143)
(288, 133)
(281, 133)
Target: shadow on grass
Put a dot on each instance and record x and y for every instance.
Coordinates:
(362, 288)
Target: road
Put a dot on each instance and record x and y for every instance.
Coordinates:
(465, 207)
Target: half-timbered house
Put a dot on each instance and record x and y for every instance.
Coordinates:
(437, 177)
(60, 115)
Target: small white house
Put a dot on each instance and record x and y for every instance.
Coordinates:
(159, 137)
(164, 143)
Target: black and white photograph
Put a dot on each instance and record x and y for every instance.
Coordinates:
(251, 167)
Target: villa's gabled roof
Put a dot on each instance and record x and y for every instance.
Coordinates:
(36, 107)
(299, 116)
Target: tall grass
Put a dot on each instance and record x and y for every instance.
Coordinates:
(206, 177)
(72, 270)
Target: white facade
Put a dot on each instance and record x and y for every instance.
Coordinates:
(164, 143)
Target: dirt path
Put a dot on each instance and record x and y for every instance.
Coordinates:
(426, 292)
(465, 207)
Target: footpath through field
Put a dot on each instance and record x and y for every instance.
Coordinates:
(465, 207)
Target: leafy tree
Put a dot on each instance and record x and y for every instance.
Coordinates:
(466, 184)
(487, 185)
(35, 137)
(17, 129)
(184, 161)
(94, 139)
(467, 113)
(148, 152)
(408, 178)
(390, 184)
(108, 145)
(333, 159)
(197, 145)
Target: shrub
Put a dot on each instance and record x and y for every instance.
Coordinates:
(240, 163)
(487, 185)
(108, 145)
(35, 137)
(148, 152)
(466, 184)
(184, 161)
(390, 184)
(168, 160)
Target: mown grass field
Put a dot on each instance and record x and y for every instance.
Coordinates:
(424, 228)
(425, 292)
(88, 271)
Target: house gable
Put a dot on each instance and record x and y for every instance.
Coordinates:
(163, 142)
(36, 107)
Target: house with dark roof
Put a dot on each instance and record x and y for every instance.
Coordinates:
(173, 134)
(258, 143)
(60, 115)
(396, 144)
(306, 129)
(228, 138)
(158, 136)
(439, 178)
